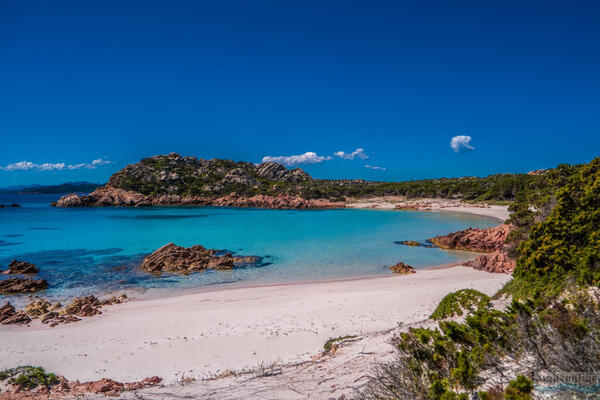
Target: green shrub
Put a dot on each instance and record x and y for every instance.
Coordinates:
(519, 389)
(29, 377)
(327, 345)
(455, 303)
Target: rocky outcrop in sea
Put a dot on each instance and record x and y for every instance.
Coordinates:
(490, 241)
(403, 269)
(22, 285)
(21, 267)
(185, 260)
(474, 239)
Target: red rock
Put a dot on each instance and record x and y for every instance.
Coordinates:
(110, 196)
(493, 262)
(20, 285)
(6, 311)
(486, 240)
(402, 268)
(83, 307)
(177, 259)
(20, 318)
(21, 267)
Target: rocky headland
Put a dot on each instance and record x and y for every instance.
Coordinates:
(185, 260)
(175, 180)
(491, 241)
(107, 196)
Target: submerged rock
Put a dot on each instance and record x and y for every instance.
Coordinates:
(402, 268)
(21, 285)
(414, 243)
(21, 267)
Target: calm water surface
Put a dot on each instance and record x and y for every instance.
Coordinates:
(90, 250)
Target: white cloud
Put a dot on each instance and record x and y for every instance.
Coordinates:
(374, 167)
(76, 166)
(307, 158)
(101, 161)
(30, 166)
(358, 153)
(460, 144)
(20, 166)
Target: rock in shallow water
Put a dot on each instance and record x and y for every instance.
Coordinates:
(21, 267)
(177, 259)
(21, 285)
(402, 268)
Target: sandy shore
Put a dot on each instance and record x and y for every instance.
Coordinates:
(497, 212)
(200, 334)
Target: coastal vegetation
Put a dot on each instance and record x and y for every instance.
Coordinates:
(330, 342)
(28, 377)
(173, 174)
(454, 304)
(552, 322)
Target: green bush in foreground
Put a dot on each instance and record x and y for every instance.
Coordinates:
(455, 359)
(28, 377)
(455, 303)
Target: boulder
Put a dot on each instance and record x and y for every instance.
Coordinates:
(40, 307)
(115, 300)
(83, 307)
(173, 258)
(277, 172)
(239, 176)
(177, 259)
(21, 285)
(6, 311)
(19, 318)
(497, 261)
(402, 268)
(21, 267)
(224, 262)
(475, 239)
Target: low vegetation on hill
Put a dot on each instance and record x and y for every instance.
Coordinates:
(174, 174)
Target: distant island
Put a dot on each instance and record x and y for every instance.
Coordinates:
(67, 187)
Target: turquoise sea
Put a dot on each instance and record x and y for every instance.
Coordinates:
(93, 250)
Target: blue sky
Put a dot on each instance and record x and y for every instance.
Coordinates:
(116, 81)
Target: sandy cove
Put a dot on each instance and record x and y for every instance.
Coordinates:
(497, 212)
(205, 333)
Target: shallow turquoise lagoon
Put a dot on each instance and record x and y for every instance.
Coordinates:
(93, 250)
